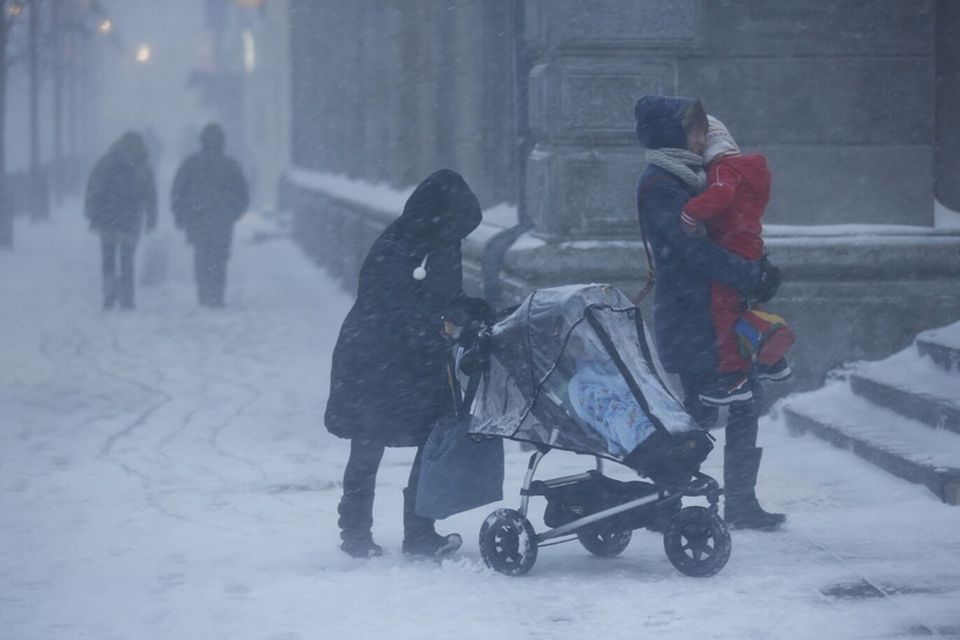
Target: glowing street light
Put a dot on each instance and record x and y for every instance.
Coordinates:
(106, 26)
(249, 51)
(15, 9)
(143, 53)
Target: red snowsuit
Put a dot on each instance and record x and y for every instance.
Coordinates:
(731, 208)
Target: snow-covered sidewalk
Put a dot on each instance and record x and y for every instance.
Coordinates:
(165, 473)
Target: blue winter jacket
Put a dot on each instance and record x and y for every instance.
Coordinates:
(685, 266)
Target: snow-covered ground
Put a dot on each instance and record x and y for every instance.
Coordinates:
(165, 474)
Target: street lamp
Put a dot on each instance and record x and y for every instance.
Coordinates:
(143, 53)
(15, 9)
(106, 26)
(249, 51)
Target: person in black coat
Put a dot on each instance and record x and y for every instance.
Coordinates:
(209, 196)
(672, 129)
(388, 379)
(121, 199)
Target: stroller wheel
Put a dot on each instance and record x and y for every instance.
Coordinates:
(697, 542)
(508, 543)
(605, 544)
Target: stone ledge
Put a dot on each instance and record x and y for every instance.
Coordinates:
(847, 297)
(849, 253)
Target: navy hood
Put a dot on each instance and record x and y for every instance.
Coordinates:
(442, 210)
(660, 121)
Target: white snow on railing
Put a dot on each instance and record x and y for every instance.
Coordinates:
(378, 196)
(386, 199)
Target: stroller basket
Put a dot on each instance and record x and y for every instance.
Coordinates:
(569, 502)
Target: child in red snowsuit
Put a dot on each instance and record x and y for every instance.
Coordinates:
(730, 209)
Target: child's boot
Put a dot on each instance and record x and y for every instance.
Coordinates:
(776, 372)
(728, 389)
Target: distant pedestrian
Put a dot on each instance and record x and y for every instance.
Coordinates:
(121, 200)
(209, 196)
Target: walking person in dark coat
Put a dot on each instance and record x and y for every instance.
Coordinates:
(121, 199)
(209, 196)
(388, 380)
(673, 130)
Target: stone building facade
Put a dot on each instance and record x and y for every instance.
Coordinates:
(854, 102)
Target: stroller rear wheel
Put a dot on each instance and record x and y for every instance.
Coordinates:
(605, 543)
(508, 543)
(697, 542)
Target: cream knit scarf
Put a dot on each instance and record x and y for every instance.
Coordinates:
(686, 165)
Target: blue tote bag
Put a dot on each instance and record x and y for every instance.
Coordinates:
(458, 471)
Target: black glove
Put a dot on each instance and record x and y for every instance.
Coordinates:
(480, 309)
(470, 334)
(769, 284)
(475, 339)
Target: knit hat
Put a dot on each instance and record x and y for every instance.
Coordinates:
(661, 120)
(719, 141)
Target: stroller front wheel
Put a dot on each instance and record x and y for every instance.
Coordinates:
(508, 543)
(697, 542)
(605, 544)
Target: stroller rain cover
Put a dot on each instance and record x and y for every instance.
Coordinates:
(556, 376)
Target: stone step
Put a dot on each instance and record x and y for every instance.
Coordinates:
(899, 445)
(913, 388)
(943, 347)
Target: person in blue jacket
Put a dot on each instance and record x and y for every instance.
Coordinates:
(673, 130)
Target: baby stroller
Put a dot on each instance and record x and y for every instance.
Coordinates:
(571, 369)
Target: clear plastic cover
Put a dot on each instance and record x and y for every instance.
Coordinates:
(558, 375)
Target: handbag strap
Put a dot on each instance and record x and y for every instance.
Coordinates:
(453, 382)
(651, 269)
(462, 398)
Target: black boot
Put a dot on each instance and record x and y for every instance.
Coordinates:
(419, 536)
(361, 547)
(356, 520)
(741, 509)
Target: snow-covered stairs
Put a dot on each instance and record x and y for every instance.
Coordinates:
(902, 413)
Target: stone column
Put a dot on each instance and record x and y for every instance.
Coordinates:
(948, 103)
(836, 94)
(591, 63)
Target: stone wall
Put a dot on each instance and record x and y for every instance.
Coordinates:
(390, 91)
(947, 71)
(854, 103)
(838, 95)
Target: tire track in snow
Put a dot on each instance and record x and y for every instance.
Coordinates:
(108, 444)
(252, 394)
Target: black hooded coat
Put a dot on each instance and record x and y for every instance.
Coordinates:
(388, 382)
